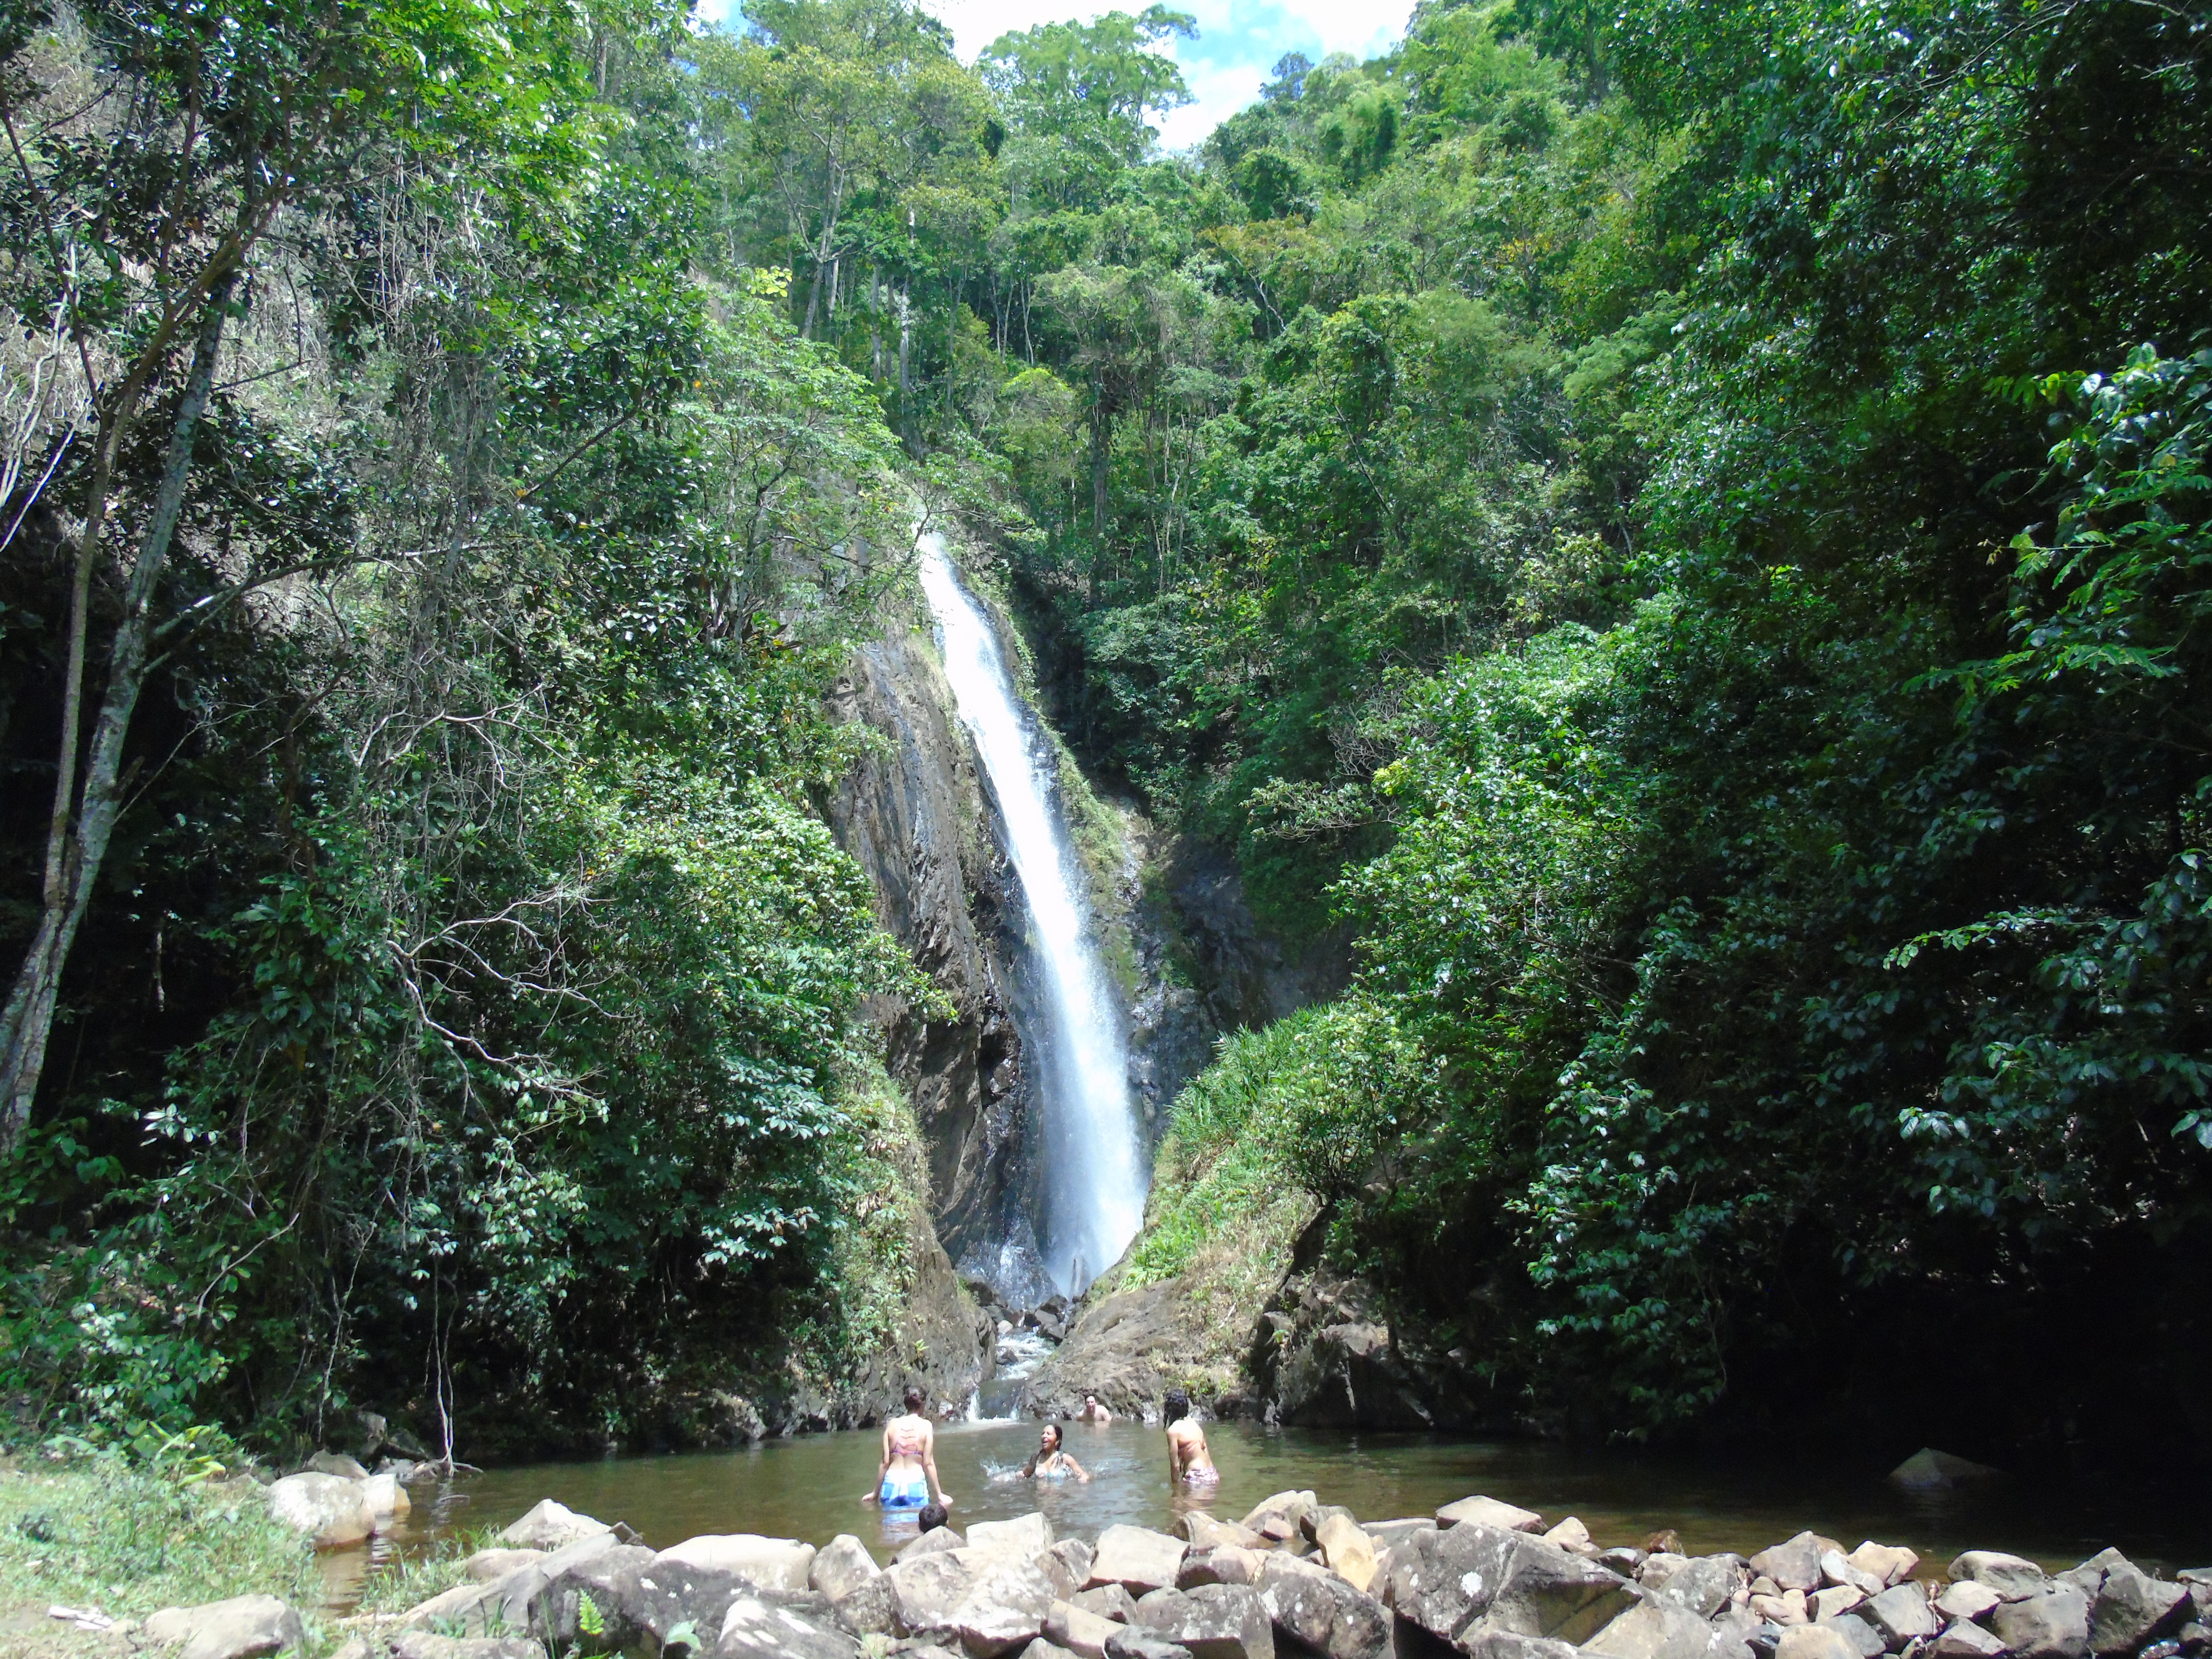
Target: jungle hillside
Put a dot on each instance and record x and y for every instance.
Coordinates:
(1665, 538)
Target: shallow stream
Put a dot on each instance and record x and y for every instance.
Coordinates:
(810, 1487)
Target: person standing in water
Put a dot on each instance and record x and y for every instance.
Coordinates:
(907, 1477)
(1189, 1463)
(1048, 1462)
(1092, 1412)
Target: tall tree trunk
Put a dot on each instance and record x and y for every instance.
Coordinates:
(813, 295)
(1101, 438)
(876, 324)
(906, 350)
(27, 1021)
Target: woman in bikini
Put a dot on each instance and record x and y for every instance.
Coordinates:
(1189, 1463)
(1049, 1463)
(907, 1477)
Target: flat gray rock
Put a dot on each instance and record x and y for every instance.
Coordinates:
(1891, 1563)
(1080, 1630)
(1838, 1569)
(1481, 1642)
(1027, 1535)
(1323, 1612)
(761, 1625)
(1731, 1634)
(1654, 1629)
(2052, 1626)
(1965, 1640)
(1134, 1641)
(1793, 1564)
(1067, 1563)
(549, 1525)
(936, 1539)
(926, 1589)
(2131, 1608)
(869, 1609)
(1859, 1633)
(1445, 1581)
(1108, 1601)
(1814, 1642)
(777, 1563)
(1968, 1600)
(329, 1508)
(1489, 1512)
(1004, 1609)
(1214, 1621)
(1706, 1585)
(2009, 1576)
(1137, 1559)
(242, 1627)
(1902, 1614)
(841, 1567)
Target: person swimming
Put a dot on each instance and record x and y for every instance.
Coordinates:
(1092, 1412)
(907, 1477)
(1049, 1463)
(1189, 1463)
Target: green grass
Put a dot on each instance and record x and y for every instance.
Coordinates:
(93, 1533)
(1224, 1210)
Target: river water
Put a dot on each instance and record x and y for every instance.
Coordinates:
(810, 1487)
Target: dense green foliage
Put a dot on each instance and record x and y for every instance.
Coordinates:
(493, 989)
(1682, 528)
(1576, 498)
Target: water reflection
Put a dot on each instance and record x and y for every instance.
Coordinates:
(809, 1488)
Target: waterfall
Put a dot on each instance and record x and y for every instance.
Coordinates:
(1094, 1188)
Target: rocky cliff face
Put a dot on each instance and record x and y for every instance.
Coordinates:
(916, 816)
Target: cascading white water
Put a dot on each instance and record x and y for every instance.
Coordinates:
(1094, 1178)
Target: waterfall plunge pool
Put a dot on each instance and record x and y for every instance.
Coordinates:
(810, 1487)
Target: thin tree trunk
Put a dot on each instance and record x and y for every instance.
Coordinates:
(27, 1022)
(905, 349)
(876, 324)
(1100, 437)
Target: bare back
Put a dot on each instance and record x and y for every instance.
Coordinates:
(1190, 1462)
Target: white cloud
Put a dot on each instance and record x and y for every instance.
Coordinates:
(1237, 45)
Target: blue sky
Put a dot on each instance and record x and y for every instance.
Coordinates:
(1238, 42)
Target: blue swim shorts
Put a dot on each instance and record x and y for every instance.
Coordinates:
(897, 1494)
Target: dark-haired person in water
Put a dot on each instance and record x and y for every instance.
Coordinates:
(907, 1477)
(1189, 1463)
(1048, 1462)
(1092, 1412)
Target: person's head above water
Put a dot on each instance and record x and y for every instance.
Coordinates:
(1175, 1406)
(933, 1517)
(915, 1400)
(1048, 1440)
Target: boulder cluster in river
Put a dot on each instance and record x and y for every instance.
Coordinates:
(1479, 1579)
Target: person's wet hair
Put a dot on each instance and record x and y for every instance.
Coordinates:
(915, 1400)
(933, 1517)
(1175, 1407)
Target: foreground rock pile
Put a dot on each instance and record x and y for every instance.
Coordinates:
(1479, 1578)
